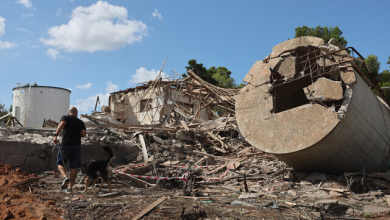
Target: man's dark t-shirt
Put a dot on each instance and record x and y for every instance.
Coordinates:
(72, 130)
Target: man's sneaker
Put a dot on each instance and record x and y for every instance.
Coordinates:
(68, 190)
(65, 183)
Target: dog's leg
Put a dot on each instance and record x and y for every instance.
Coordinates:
(86, 184)
(94, 182)
(109, 184)
(101, 185)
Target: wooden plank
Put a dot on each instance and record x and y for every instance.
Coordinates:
(216, 157)
(150, 207)
(201, 160)
(144, 151)
(217, 139)
(107, 195)
(184, 125)
(139, 181)
(218, 169)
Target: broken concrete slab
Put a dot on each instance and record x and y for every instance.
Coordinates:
(348, 75)
(286, 67)
(324, 90)
(371, 209)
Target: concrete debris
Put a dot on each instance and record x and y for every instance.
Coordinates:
(306, 103)
(213, 177)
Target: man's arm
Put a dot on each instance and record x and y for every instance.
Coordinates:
(61, 126)
(83, 133)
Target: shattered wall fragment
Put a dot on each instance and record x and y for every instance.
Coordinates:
(307, 104)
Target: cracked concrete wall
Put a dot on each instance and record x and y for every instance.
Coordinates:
(313, 110)
(39, 157)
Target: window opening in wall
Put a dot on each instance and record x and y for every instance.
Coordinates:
(145, 104)
(287, 92)
(290, 95)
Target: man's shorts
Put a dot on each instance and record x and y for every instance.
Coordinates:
(71, 153)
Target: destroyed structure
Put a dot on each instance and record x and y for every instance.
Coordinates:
(309, 104)
(176, 158)
(162, 104)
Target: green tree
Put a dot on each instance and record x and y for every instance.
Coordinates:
(4, 111)
(388, 62)
(240, 86)
(222, 76)
(384, 78)
(373, 65)
(201, 71)
(325, 33)
(218, 76)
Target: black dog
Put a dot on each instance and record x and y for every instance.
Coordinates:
(102, 167)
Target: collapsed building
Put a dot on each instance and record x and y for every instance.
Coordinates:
(167, 103)
(310, 105)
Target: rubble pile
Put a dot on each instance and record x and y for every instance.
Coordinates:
(210, 167)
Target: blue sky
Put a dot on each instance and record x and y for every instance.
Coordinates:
(96, 47)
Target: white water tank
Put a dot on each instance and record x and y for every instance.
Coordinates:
(34, 104)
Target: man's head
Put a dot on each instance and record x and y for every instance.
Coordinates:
(72, 111)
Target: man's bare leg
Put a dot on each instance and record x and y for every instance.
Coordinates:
(73, 175)
(66, 181)
(62, 171)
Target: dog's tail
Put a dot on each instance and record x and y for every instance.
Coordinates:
(110, 154)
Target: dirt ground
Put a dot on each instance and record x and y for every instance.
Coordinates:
(270, 197)
(20, 203)
(276, 193)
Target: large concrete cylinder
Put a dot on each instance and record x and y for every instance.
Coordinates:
(33, 104)
(308, 105)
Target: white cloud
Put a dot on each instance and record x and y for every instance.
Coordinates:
(88, 104)
(54, 54)
(21, 29)
(86, 86)
(157, 14)
(58, 12)
(111, 87)
(4, 45)
(2, 26)
(26, 3)
(34, 46)
(100, 26)
(143, 75)
(27, 15)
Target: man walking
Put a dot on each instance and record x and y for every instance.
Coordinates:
(74, 130)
